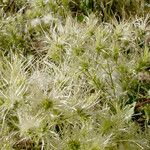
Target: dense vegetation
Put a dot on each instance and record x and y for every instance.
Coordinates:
(74, 75)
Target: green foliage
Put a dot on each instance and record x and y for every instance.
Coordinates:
(72, 73)
(74, 145)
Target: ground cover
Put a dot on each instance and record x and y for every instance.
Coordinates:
(74, 75)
